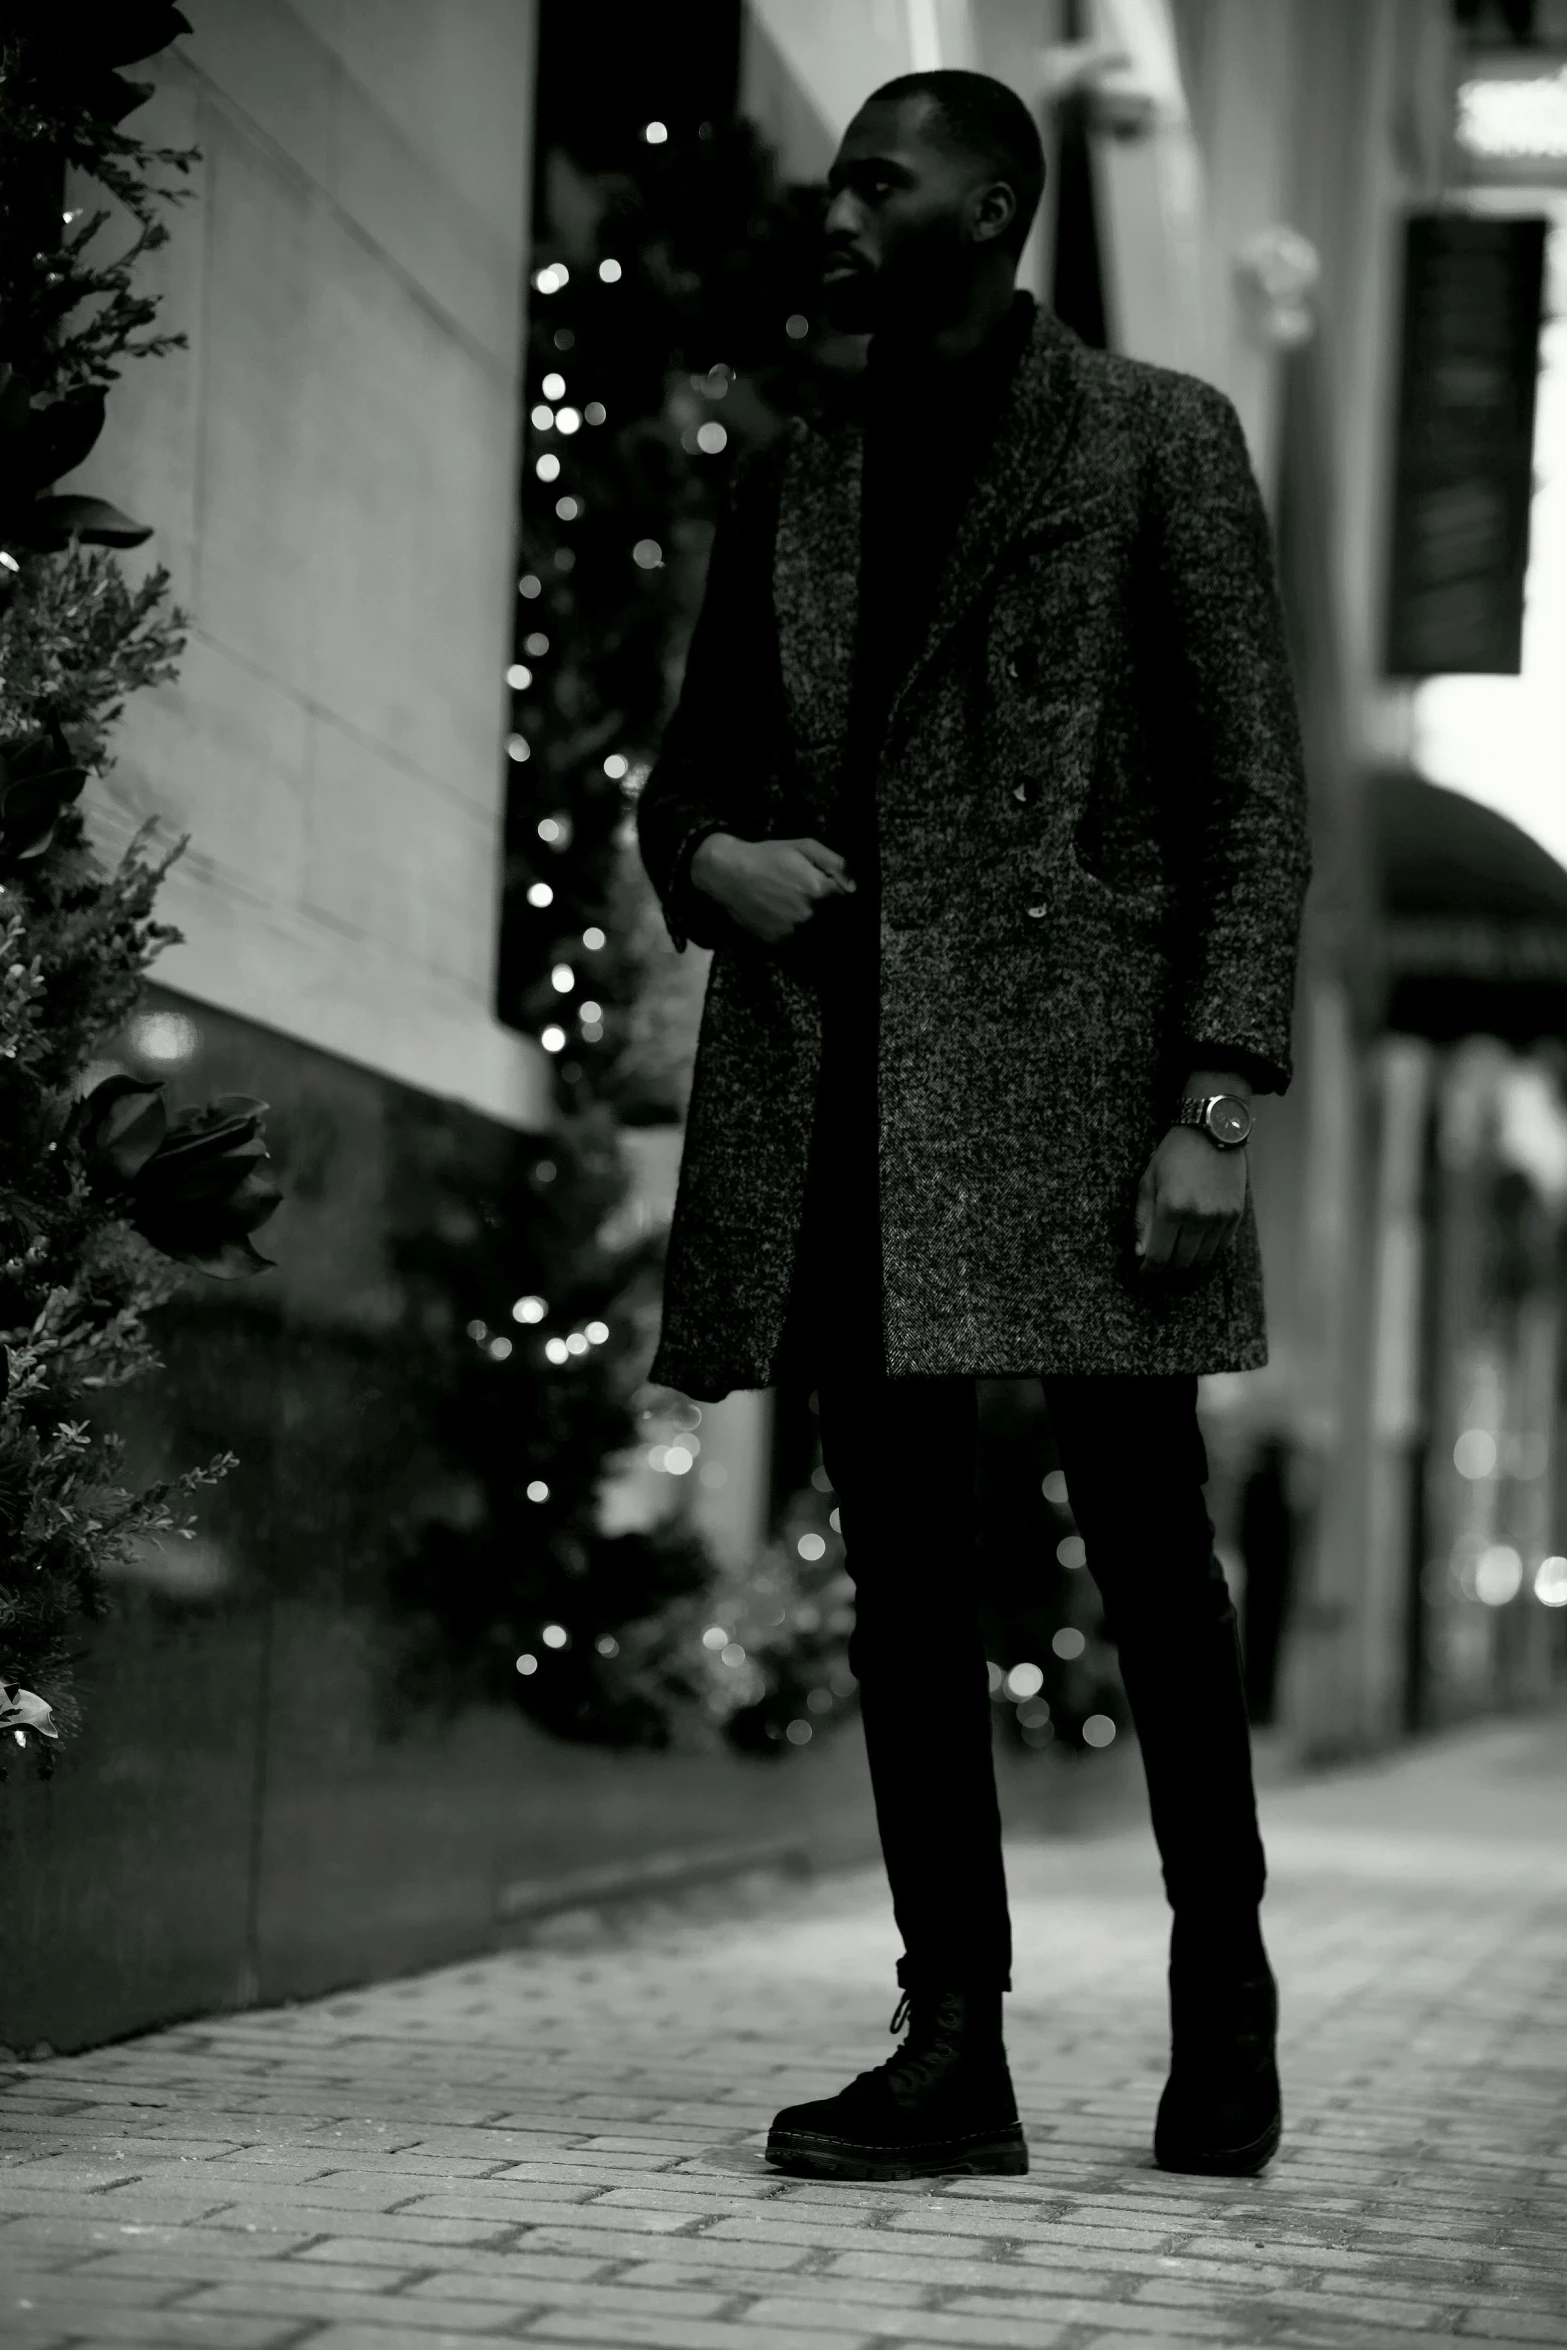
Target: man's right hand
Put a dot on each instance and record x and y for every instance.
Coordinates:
(768, 886)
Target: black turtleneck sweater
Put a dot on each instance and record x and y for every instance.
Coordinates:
(928, 425)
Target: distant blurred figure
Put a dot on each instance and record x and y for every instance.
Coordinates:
(1267, 1547)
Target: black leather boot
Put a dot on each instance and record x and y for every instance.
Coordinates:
(1221, 2112)
(943, 2104)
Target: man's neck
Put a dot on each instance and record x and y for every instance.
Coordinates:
(939, 346)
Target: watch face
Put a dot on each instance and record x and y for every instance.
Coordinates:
(1229, 1120)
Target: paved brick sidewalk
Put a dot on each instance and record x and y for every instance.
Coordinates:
(563, 2145)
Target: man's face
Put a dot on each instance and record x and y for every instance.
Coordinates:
(903, 209)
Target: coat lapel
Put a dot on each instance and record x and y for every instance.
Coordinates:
(1012, 483)
(816, 582)
(816, 566)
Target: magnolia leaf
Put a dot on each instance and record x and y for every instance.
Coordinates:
(226, 1257)
(58, 437)
(125, 1120)
(21, 1710)
(16, 401)
(30, 810)
(92, 520)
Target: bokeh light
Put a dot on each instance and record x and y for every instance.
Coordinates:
(1498, 1574)
(1474, 1455)
(1068, 1642)
(1550, 1582)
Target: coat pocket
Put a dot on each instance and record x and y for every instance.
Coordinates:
(1142, 916)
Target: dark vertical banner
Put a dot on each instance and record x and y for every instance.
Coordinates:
(1463, 470)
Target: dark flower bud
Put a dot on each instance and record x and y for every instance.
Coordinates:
(196, 1185)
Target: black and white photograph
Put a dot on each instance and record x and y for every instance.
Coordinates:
(783, 1174)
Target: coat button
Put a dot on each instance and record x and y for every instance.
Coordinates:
(1025, 789)
(1037, 913)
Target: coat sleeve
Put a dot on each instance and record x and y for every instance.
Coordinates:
(702, 781)
(1246, 852)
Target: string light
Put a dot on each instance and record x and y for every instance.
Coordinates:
(540, 894)
(655, 133)
(519, 678)
(610, 272)
(530, 585)
(710, 437)
(553, 1040)
(538, 1490)
(538, 644)
(567, 420)
(554, 386)
(595, 412)
(547, 467)
(554, 1635)
(529, 1309)
(541, 418)
(1550, 1582)
(527, 1664)
(1068, 1643)
(647, 554)
(518, 747)
(616, 765)
(568, 509)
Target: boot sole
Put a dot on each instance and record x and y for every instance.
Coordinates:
(998, 2154)
(1222, 2162)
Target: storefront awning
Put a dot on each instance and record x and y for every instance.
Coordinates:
(1474, 917)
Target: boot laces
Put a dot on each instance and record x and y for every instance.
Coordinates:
(928, 2051)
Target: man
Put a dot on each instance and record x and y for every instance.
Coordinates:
(985, 786)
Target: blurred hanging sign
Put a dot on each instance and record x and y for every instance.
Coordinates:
(1463, 470)
(1510, 119)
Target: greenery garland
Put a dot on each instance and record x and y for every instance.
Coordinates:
(104, 1193)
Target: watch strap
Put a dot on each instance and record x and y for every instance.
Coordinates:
(1193, 1110)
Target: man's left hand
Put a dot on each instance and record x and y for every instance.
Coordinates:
(1189, 1202)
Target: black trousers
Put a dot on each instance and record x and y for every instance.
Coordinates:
(900, 1454)
(901, 1457)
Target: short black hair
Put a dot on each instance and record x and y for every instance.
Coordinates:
(983, 117)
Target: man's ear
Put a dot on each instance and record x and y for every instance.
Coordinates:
(992, 212)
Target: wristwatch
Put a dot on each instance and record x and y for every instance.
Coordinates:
(1224, 1118)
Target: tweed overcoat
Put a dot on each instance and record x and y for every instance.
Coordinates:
(1090, 809)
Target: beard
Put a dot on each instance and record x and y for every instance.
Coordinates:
(920, 285)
